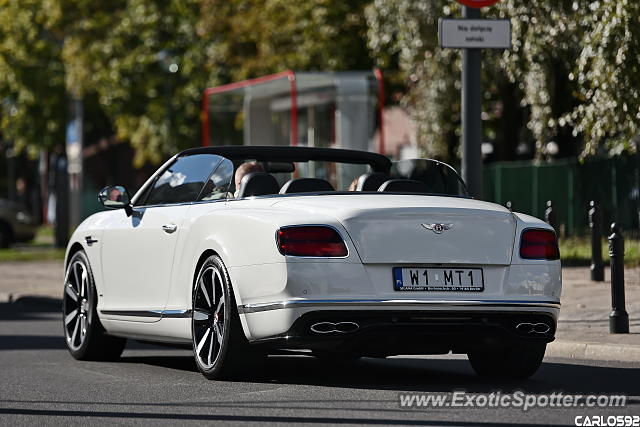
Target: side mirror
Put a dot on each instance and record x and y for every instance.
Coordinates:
(115, 197)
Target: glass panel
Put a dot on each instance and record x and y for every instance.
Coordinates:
(114, 197)
(217, 187)
(439, 177)
(183, 180)
(339, 175)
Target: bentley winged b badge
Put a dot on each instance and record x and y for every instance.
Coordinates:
(438, 228)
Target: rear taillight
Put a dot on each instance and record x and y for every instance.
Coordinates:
(539, 244)
(312, 240)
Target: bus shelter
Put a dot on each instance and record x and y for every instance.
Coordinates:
(315, 109)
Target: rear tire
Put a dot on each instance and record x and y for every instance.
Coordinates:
(518, 361)
(220, 347)
(85, 337)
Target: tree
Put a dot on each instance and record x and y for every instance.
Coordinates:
(608, 78)
(570, 67)
(257, 37)
(146, 62)
(31, 76)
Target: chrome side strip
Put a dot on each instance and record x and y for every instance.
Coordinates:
(176, 313)
(280, 305)
(148, 313)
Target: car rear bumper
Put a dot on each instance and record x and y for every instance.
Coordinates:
(391, 332)
(282, 320)
(384, 303)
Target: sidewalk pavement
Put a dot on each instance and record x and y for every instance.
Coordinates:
(583, 327)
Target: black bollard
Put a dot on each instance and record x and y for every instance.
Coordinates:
(509, 205)
(595, 223)
(550, 215)
(618, 319)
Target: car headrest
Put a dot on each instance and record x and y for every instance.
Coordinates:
(371, 181)
(305, 185)
(258, 184)
(404, 186)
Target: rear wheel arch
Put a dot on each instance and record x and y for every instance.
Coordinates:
(236, 300)
(203, 257)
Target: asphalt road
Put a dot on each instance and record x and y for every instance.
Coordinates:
(42, 384)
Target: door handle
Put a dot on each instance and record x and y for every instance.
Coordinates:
(169, 228)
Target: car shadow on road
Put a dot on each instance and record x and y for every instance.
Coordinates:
(444, 375)
(31, 308)
(420, 374)
(32, 342)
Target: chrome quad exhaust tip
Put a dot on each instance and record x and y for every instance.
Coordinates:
(331, 327)
(537, 328)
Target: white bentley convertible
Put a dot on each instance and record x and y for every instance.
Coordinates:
(402, 263)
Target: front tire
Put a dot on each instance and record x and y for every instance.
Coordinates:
(85, 336)
(517, 361)
(220, 347)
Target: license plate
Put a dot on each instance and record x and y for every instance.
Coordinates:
(440, 279)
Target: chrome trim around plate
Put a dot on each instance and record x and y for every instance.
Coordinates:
(376, 303)
(148, 313)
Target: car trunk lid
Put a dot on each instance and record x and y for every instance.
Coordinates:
(404, 229)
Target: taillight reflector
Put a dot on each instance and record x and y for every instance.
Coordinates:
(317, 241)
(539, 244)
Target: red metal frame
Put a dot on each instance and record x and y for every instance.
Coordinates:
(204, 118)
(294, 108)
(289, 74)
(477, 4)
(378, 74)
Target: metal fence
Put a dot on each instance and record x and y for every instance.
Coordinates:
(613, 183)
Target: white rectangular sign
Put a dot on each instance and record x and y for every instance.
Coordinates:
(475, 33)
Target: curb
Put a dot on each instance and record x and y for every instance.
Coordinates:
(593, 351)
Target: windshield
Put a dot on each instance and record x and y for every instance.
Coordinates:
(339, 175)
(440, 178)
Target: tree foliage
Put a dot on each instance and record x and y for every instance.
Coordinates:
(401, 33)
(571, 75)
(125, 53)
(573, 65)
(147, 64)
(31, 76)
(257, 37)
(608, 77)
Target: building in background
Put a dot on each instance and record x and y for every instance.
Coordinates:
(400, 139)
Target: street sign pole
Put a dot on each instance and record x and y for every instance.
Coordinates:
(472, 34)
(471, 114)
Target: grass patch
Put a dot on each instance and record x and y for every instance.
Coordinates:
(31, 254)
(39, 249)
(43, 237)
(576, 251)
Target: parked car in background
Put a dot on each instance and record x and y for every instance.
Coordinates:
(16, 225)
